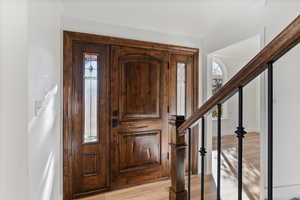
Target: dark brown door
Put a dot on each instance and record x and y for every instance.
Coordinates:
(139, 115)
(90, 119)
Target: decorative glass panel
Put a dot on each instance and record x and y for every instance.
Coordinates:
(90, 97)
(181, 88)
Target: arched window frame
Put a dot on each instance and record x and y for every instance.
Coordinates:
(211, 82)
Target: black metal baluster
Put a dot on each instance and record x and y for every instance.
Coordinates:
(202, 153)
(270, 131)
(240, 134)
(189, 162)
(219, 153)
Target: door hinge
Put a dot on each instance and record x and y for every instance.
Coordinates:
(168, 156)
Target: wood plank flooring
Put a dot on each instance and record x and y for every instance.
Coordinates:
(251, 166)
(160, 190)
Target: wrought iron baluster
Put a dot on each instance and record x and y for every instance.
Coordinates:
(189, 161)
(219, 153)
(270, 131)
(240, 134)
(202, 153)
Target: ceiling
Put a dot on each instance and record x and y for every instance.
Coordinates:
(218, 23)
(245, 49)
(188, 17)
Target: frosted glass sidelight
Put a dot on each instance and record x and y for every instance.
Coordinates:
(181, 88)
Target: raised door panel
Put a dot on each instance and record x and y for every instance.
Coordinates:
(140, 82)
(90, 163)
(140, 150)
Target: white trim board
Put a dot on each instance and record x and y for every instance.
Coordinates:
(284, 192)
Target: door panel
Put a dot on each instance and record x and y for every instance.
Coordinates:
(141, 150)
(140, 97)
(90, 121)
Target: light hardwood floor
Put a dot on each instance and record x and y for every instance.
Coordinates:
(160, 190)
(251, 165)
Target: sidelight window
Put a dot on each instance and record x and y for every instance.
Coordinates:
(181, 88)
(90, 79)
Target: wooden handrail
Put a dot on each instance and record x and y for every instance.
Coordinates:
(281, 44)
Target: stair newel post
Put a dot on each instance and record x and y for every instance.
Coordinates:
(178, 152)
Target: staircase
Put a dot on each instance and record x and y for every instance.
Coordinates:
(181, 127)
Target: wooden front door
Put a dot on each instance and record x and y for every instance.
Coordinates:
(118, 96)
(139, 97)
(90, 119)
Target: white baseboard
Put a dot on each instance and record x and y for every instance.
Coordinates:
(286, 192)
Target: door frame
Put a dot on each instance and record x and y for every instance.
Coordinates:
(68, 39)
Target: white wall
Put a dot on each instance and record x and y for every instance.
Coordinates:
(44, 69)
(187, 18)
(229, 123)
(286, 104)
(234, 57)
(30, 68)
(13, 100)
(77, 24)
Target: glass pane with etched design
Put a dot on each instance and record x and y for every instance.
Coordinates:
(90, 78)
